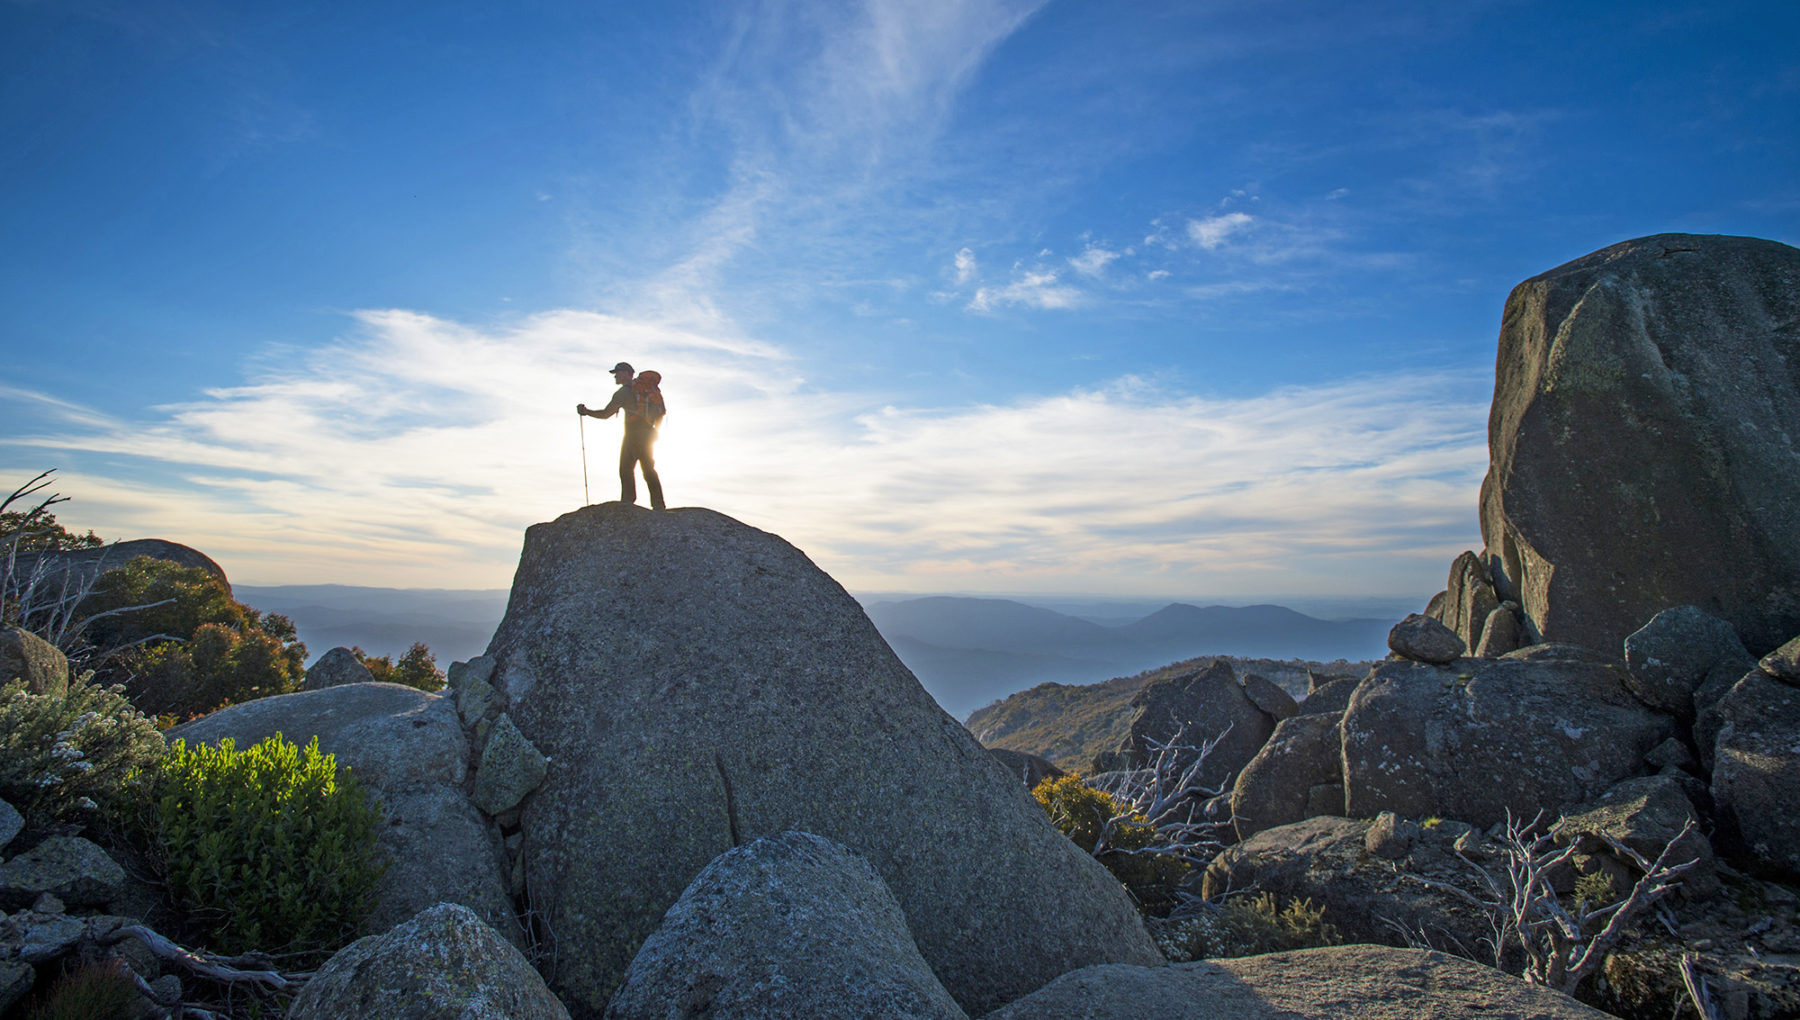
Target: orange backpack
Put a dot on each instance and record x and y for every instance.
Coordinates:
(648, 398)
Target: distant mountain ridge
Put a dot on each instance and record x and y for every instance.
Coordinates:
(969, 652)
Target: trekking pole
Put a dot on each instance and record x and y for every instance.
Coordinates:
(581, 425)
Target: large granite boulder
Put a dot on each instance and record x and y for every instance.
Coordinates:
(408, 747)
(1282, 783)
(1466, 601)
(25, 656)
(790, 925)
(336, 668)
(79, 567)
(1756, 770)
(1647, 815)
(1195, 706)
(1783, 663)
(696, 683)
(1668, 659)
(1366, 982)
(443, 964)
(1424, 639)
(1420, 739)
(1644, 440)
(1328, 860)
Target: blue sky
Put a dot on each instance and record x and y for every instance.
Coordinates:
(1195, 300)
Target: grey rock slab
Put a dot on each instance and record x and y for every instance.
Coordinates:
(11, 823)
(479, 670)
(791, 925)
(1644, 440)
(1424, 740)
(1276, 703)
(1668, 658)
(1331, 697)
(1326, 859)
(408, 746)
(1756, 770)
(334, 669)
(1423, 639)
(1469, 600)
(25, 656)
(1276, 787)
(443, 964)
(70, 868)
(1391, 837)
(1783, 663)
(696, 683)
(1192, 708)
(1503, 632)
(1646, 814)
(44, 937)
(16, 979)
(1367, 982)
(510, 768)
(473, 699)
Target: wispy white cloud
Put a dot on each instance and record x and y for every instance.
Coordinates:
(965, 266)
(1093, 260)
(414, 451)
(1213, 231)
(1029, 289)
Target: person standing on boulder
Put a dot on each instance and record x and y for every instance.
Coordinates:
(641, 400)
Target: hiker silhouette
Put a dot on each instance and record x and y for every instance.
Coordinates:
(641, 400)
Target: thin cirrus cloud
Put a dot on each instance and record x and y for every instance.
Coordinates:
(414, 452)
(1214, 231)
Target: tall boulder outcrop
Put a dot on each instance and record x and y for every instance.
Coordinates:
(1532, 730)
(1644, 441)
(1196, 707)
(696, 684)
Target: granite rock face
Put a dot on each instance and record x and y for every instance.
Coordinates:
(695, 684)
(786, 925)
(408, 747)
(1644, 441)
(443, 964)
(1367, 982)
(1756, 770)
(82, 566)
(1195, 707)
(1277, 786)
(1030, 768)
(1668, 659)
(1646, 814)
(25, 656)
(334, 669)
(1430, 740)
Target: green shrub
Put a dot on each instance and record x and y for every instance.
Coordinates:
(218, 666)
(1262, 925)
(95, 991)
(62, 756)
(417, 668)
(267, 849)
(1245, 927)
(181, 644)
(1081, 812)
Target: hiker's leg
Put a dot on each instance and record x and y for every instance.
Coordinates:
(627, 461)
(648, 459)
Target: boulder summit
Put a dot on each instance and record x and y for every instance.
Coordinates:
(697, 684)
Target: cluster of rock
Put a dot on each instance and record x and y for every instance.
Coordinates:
(61, 893)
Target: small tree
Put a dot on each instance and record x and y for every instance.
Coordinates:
(417, 668)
